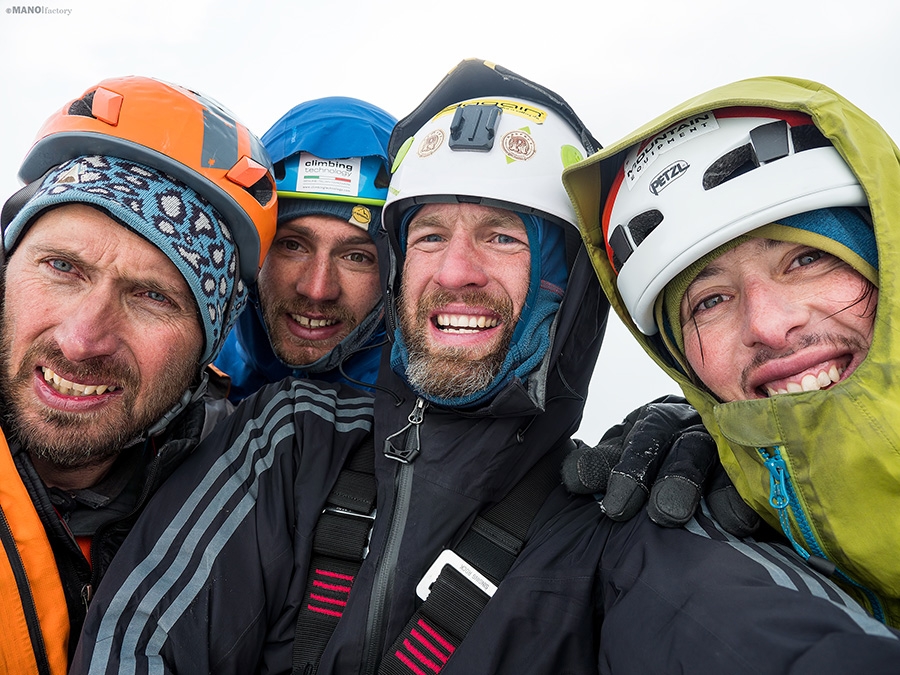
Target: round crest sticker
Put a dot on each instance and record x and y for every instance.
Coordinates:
(518, 144)
(431, 143)
(361, 215)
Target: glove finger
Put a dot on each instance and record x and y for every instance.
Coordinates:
(673, 501)
(676, 492)
(728, 509)
(586, 470)
(624, 497)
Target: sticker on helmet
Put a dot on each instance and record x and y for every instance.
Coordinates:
(328, 176)
(518, 145)
(664, 178)
(430, 144)
(361, 215)
(642, 156)
(519, 108)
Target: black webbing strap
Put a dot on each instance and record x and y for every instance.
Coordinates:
(490, 545)
(339, 547)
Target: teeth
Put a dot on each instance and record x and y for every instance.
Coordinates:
(306, 322)
(809, 382)
(467, 322)
(67, 388)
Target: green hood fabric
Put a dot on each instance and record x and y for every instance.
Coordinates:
(841, 446)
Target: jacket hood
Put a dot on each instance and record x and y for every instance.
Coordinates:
(841, 446)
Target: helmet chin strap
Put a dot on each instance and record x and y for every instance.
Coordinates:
(189, 396)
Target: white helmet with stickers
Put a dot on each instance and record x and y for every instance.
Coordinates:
(499, 151)
(704, 181)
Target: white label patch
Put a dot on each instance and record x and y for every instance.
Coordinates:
(329, 176)
(641, 157)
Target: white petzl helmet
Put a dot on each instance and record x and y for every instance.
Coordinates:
(498, 151)
(704, 181)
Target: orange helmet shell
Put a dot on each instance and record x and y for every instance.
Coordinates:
(185, 134)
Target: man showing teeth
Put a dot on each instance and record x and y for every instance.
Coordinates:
(317, 310)
(752, 251)
(126, 262)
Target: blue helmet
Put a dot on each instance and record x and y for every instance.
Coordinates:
(333, 149)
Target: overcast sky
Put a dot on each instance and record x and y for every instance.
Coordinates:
(619, 64)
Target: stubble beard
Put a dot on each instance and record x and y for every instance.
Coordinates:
(451, 372)
(294, 350)
(69, 440)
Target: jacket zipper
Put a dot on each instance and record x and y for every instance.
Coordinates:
(384, 577)
(24, 591)
(783, 498)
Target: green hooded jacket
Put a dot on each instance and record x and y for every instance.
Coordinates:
(840, 446)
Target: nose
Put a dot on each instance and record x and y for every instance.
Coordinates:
(320, 281)
(771, 314)
(91, 325)
(460, 265)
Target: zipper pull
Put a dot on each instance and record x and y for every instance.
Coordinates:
(778, 496)
(87, 593)
(412, 446)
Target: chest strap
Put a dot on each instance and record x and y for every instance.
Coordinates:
(456, 587)
(340, 543)
(465, 578)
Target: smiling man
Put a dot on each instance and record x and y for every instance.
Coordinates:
(464, 284)
(316, 311)
(127, 260)
(761, 279)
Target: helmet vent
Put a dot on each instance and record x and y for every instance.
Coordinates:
(730, 165)
(262, 190)
(643, 224)
(82, 106)
(279, 170)
(808, 137)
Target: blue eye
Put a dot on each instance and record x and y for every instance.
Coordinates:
(61, 265)
(710, 302)
(157, 297)
(809, 257)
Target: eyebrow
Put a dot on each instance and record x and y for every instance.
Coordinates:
(356, 239)
(496, 219)
(714, 268)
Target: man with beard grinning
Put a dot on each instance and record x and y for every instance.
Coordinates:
(316, 311)
(144, 216)
(317, 532)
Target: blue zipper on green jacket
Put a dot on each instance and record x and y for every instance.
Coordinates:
(782, 497)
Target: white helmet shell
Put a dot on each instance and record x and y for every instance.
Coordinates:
(706, 180)
(503, 152)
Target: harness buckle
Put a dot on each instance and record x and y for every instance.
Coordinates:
(337, 510)
(449, 557)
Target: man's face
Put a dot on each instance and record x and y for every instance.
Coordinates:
(771, 317)
(465, 280)
(100, 337)
(317, 283)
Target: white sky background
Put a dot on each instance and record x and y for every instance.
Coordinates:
(619, 64)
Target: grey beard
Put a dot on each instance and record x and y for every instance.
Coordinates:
(451, 377)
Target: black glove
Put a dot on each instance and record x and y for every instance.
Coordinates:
(660, 454)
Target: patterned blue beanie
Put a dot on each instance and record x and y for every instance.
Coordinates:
(165, 212)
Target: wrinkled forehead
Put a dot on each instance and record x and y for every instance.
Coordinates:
(462, 215)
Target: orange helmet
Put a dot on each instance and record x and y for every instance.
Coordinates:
(180, 132)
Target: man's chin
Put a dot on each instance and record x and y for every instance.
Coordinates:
(451, 377)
